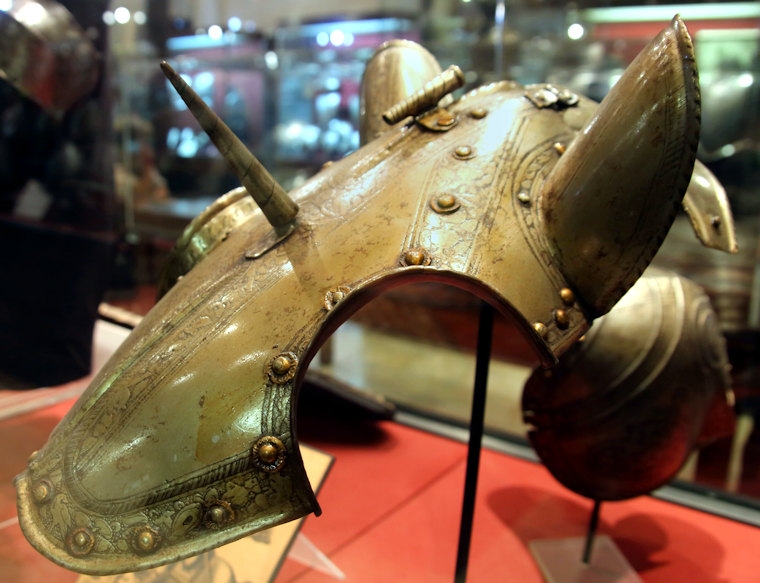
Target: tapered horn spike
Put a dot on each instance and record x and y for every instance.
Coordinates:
(279, 209)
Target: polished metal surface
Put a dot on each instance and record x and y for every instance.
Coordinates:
(186, 440)
(46, 55)
(706, 203)
(620, 414)
(397, 70)
(588, 207)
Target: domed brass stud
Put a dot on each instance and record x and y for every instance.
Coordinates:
(282, 368)
(559, 148)
(269, 453)
(562, 318)
(523, 197)
(334, 296)
(415, 257)
(567, 296)
(444, 203)
(80, 542)
(145, 540)
(478, 113)
(218, 514)
(42, 491)
(540, 329)
(464, 152)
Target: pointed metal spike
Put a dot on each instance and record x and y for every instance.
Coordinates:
(279, 209)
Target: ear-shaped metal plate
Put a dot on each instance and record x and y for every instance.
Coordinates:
(707, 205)
(204, 233)
(396, 70)
(613, 195)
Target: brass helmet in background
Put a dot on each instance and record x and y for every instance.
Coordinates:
(621, 412)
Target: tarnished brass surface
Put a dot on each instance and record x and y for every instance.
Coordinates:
(587, 205)
(46, 55)
(186, 439)
(706, 203)
(396, 70)
(205, 233)
(619, 415)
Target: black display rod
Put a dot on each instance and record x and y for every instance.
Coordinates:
(477, 421)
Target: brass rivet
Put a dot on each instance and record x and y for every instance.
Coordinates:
(560, 148)
(282, 368)
(80, 542)
(334, 296)
(414, 257)
(219, 514)
(562, 318)
(444, 203)
(281, 365)
(463, 152)
(540, 329)
(567, 296)
(145, 540)
(523, 197)
(41, 491)
(216, 514)
(479, 113)
(269, 453)
(445, 119)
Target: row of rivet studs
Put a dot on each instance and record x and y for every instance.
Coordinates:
(448, 203)
(523, 196)
(269, 455)
(561, 316)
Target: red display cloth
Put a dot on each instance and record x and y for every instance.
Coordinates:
(391, 511)
(391, 507)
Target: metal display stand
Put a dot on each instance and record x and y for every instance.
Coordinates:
(477, 420)
(589, 559)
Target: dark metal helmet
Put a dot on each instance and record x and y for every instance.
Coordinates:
(621, 412)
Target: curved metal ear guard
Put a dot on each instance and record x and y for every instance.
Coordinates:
(546, 207)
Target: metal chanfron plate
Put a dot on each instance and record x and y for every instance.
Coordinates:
(186, 440)
(156, 461)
